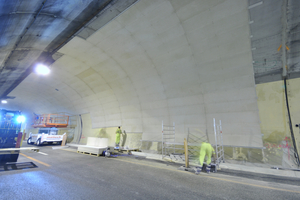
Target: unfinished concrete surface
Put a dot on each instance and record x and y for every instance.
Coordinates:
(173, 61)
(138, 63)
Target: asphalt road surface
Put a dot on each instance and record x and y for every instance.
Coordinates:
(66, 174)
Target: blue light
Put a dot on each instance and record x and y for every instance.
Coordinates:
(20, 119)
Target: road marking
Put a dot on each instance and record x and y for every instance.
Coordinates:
(69, 150)
(222, 179)
(43, 153)
(35, 160)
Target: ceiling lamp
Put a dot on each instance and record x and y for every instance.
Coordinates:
(42, 69)
(3, 101)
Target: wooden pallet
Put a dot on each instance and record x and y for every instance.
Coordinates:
(129, 150)
(88, 153)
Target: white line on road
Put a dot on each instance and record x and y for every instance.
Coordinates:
(43, 153)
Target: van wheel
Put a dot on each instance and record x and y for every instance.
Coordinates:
(38, 142)
(29, 141)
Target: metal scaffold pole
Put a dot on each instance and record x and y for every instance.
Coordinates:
(168, 139)
(219, 143)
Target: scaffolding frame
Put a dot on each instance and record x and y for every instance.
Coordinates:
(194, 145)
(168, 139)
(218, 143)
(51, 120)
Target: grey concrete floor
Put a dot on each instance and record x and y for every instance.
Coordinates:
(65, 174)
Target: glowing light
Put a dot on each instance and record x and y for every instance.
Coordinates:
(42, 69)
(3, 101)
(21, 119)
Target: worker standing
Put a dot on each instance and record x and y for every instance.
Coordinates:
(206, 150)
(118, 136)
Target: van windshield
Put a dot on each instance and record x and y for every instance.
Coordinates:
(44, 131)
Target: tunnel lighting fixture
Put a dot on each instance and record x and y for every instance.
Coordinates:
(3, 101)
(42, 69)
(20, 119)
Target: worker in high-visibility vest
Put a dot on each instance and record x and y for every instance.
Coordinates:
(118, 136)
(206, 150)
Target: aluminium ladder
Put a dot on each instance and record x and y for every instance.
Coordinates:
(168, 139)
(219, 143)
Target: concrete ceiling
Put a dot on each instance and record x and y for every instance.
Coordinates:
(32, 31)
(267, 28)
(182, 61)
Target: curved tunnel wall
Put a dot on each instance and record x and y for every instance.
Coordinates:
(177, 61)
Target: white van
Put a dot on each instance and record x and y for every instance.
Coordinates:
(44, 135)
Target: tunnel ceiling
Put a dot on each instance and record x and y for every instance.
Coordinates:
(33, 30)
(177, 61)
(161, 60)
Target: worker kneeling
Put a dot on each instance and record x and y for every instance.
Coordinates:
(206, 150)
